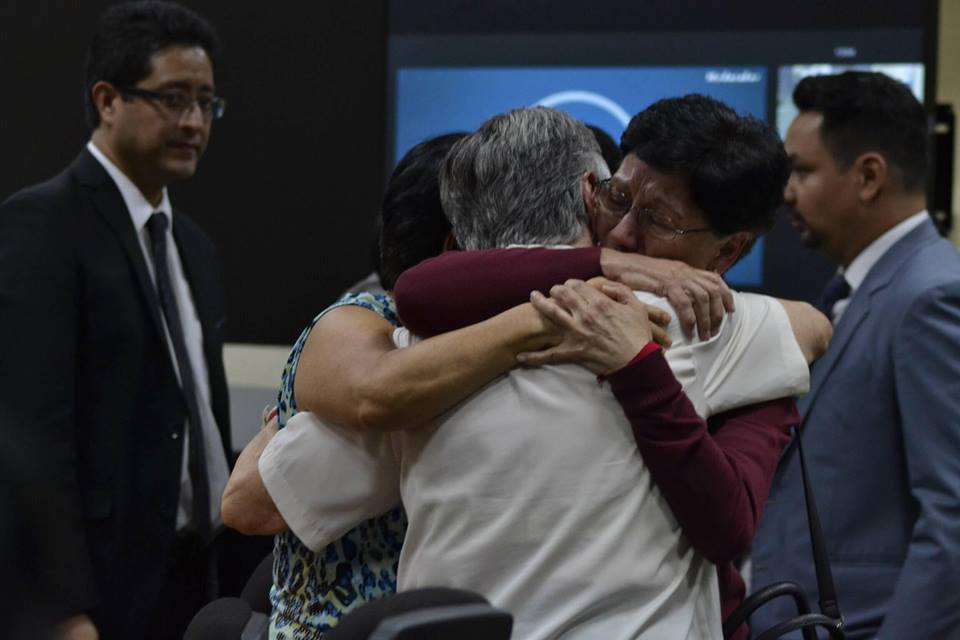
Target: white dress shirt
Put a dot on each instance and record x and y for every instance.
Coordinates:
(532, 492)
(858, 270)
(218, 470)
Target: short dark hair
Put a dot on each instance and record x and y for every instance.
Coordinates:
(735, 166)
(128, 35)
(867, 111)
(412, 226)
(608, 147)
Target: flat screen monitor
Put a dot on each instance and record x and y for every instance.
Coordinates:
(451, 67)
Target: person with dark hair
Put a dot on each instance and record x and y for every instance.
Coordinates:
(608, 147)
(412, 224)
(731, 167)
(112, 307)
(880, 424)
(411, 235)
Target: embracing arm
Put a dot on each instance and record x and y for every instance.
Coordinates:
(716, 483)
(430, 297)
(811, 328)
(351, 374)
(926, 602)
(246, 506)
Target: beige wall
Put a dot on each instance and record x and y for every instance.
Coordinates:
(948, 85)
(254, 365)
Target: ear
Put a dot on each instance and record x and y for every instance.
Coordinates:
(588, 190)
(871, 172)
(450, 243)
(105, 98)
(730, 250)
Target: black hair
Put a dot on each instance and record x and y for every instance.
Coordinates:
(128, 35)
(412, 226)
(608, 147)
(735, 166)
(867, 111)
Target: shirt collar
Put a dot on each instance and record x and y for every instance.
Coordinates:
(139, 208)
(858, 270)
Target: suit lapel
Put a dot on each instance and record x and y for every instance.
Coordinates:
(879, 277)
(853, 316)
(109, 204)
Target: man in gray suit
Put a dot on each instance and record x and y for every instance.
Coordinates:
(882, 419)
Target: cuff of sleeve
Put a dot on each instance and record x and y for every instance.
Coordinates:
(284, 496)
(649, 348)
(646, 382)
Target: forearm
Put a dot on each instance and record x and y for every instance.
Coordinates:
(431, 296)
(326, 479)
(407, 388)
(811, 328)
(246, 505)
(715, 485)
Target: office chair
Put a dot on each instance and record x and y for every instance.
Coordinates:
(434, 613)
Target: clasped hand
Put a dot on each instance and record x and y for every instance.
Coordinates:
(602, 325)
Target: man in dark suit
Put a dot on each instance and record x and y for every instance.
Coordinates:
(881, 424)
(111, 312)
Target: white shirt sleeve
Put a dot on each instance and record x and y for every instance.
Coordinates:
(754, 358)
(325, 479)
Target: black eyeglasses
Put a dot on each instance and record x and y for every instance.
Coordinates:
(659, 225)
(178, 103)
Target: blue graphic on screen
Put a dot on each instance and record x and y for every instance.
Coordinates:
(432, 100)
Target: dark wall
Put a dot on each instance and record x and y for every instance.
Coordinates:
(291, 181)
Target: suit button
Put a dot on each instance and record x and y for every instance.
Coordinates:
(175, 435)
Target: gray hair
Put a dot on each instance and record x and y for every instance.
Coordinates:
(517, 180)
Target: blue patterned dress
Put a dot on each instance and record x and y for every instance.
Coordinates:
(312, 591)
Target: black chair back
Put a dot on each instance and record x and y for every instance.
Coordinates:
(435, 613)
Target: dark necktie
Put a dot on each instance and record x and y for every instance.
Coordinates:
(836, 290)
(157, 227)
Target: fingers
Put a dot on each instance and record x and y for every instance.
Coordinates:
(726, 295)
(660, 336)
(683, 305)
(701, 307)
(625, 295)
(541, 358)
(598, 282)
(272, 426)
(658, 317)
(720, 300)
(582, 301)
(571, 295)
(550, 310)
(717, 312)
(618, 292)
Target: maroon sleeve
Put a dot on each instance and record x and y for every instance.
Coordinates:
(460, 288)
(716, 481)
